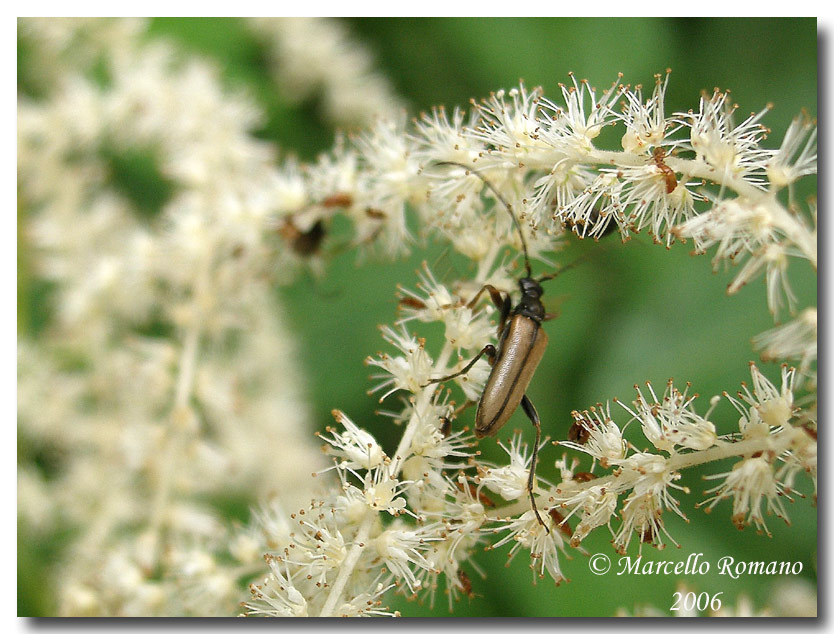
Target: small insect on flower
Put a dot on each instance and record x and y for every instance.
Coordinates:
(303, 243)
(559, 520)
(668, 173)
(465, 583)
(521, 345)
(580, 431)
(583, 476)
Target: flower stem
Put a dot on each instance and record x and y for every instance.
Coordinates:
(775, 443)
(400, 455)
(346, 569)
(180, 417)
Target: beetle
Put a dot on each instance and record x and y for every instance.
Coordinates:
(521, 345)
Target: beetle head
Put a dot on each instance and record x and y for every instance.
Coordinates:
(530, 287)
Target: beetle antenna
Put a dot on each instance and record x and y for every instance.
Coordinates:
(562, 269)
(567, 267)
(504, 202)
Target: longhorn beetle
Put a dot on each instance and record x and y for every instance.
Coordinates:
(521, 345)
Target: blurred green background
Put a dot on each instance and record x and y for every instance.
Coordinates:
(630, 313)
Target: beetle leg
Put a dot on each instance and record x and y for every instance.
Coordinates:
(502, 303)
(489, 350)
(505, 309)
(494, 293)
(530, 410)
(446, 421)
(463, 408)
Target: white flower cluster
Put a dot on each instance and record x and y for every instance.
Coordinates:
(770, 445)
(167, 363)
(626, 490)
(316, 57)
(520, 153)
(540, 156)
(165, 357)
(341, 554)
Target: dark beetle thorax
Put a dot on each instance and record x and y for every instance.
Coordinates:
(530, 305)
